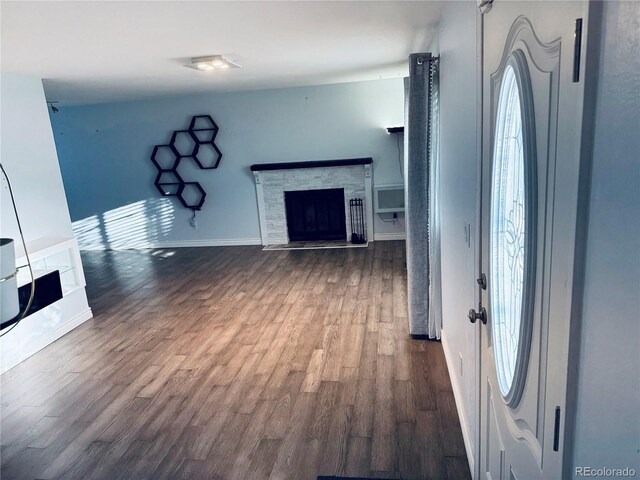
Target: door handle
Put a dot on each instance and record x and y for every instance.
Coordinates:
(481, 315)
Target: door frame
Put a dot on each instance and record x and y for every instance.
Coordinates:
(477, 297)
(589, 65)
(588, 73)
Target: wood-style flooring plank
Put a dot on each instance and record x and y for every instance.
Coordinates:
(234, 363)
(384, 443)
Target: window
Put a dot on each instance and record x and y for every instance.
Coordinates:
(512, 231)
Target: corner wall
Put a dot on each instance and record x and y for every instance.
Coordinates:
(458, 162)
(607, 423)
(28, 154)
(105, 150)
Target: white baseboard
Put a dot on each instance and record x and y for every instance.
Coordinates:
(457, 394)
(210, 243)
(178, 244)
(21, 354)
(379, 237)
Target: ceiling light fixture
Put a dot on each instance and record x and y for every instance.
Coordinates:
(212, 62)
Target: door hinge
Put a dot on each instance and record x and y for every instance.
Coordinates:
(577, 46)
(556, 431)
(484, 5)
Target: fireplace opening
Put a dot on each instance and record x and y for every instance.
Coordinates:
(316, 215)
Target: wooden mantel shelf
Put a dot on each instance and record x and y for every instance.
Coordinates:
(311, 164)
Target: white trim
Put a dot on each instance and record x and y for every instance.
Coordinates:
(591, 31)
(21, 354)
(225, 242)
(368, 194)
(43, 247)
(378, 237)
(477, 241)
(457, 394)
(262, 211)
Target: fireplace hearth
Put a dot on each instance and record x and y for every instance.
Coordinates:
(315, 214)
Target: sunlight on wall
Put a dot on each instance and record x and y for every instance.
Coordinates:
(137, 225)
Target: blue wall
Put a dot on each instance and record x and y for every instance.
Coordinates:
(104, 155)
(607, 421)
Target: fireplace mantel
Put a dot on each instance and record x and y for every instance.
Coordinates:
(259, 167)
(273, 179)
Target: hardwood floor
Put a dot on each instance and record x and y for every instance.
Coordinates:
(233, 363)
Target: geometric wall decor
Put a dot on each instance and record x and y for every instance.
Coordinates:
(197, 143)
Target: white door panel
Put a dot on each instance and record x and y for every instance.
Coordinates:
(528, 232)
(494, 451)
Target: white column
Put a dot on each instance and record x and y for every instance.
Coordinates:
(261, 209)
(368, 193)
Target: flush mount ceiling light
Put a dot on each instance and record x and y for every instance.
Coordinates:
(213, 62)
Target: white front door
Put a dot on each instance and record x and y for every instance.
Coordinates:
(532, 116)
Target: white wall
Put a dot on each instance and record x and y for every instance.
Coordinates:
(607, 430)
(458, 153)
(28, 154)
(104, 155)
(29, 157)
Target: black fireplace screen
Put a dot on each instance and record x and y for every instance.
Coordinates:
(356, 212)
(316, 215)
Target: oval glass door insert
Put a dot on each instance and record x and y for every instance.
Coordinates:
(511, 225)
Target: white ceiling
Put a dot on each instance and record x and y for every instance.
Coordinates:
(91, 52)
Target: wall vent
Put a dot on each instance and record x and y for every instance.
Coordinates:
(388, 198)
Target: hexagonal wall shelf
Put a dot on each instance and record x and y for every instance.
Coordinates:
(191, 195)
(165, 158)
(198, 143)
(183, 143)
(207, 155)
(203, 129)
(203, 122)
(168, 183)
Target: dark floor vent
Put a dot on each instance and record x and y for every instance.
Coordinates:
(356, 212)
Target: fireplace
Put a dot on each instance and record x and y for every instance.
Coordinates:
(353, 176)
(316, 214)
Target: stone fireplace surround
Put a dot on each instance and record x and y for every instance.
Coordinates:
(273, 179)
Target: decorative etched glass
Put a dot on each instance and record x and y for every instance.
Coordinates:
(507, 245)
